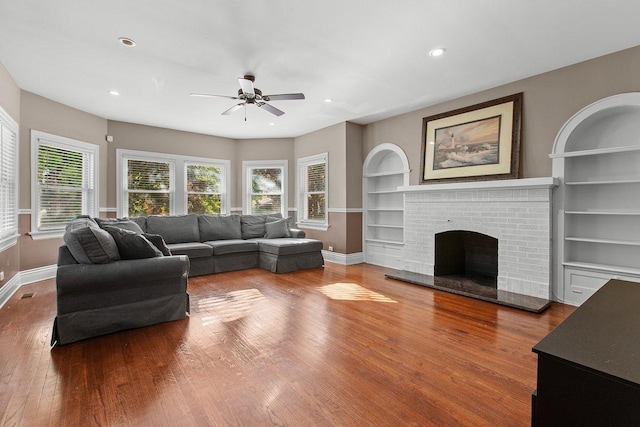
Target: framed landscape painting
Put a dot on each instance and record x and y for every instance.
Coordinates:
(480, 142)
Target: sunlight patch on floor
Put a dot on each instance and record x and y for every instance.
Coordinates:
(232, 306)
(352, 292)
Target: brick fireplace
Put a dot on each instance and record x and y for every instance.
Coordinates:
(515, 212)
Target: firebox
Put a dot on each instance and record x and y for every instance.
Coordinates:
(467, 254)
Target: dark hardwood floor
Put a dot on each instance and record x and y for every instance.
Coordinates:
(339, 346)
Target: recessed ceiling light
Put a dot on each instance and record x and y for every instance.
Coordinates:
(127, 41)
(328, 100)
(437, 52)
(114, 92)
(272, 124)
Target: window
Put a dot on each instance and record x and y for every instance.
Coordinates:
(64, 181)
(8, 181)
(149, 187)
(265, 184)
(163, 184)
(312, 196)
(204, 188)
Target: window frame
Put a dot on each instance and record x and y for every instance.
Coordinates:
(90, 207)
(178, 178)
(9, 235)
(248, 166)
(302, 164)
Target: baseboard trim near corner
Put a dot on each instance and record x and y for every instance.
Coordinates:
(344, 259)
(24, 278)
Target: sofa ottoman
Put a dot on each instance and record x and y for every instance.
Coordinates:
(286, 255)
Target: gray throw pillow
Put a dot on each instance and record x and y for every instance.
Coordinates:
(276, 229)
(252, 226)
(213, 227)
(91, 245)
(123, 223)
(81, 221)
(132, 245)
(158, 242)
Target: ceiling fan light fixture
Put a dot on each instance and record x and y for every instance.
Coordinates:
(437, 52)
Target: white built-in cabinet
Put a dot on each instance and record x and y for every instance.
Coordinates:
(385, 169)
(597, 206)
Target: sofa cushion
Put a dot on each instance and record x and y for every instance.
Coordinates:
(288, 246)
(89, 244)
(223, 247)
(123, 223)
(214, 227)
(276, 229)
(174, 228)
(252, 226)
(192, 249)
(158, 242)
(132, 245)
(141, 221)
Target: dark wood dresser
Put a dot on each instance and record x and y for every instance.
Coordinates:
(589, 365)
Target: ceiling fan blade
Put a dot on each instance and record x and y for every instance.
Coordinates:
(207, 95)
(270, 108)
(234, 108)
(247, 86)
(283, 96)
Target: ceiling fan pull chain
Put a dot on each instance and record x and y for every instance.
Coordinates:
(245, 112)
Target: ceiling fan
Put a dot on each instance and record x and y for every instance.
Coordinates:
(251, 95)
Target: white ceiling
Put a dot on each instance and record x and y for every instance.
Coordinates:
(370, 56)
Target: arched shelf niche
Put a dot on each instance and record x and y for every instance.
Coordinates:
(385, 169)
(596, 156)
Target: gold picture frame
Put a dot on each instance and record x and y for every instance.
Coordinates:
(480, 142)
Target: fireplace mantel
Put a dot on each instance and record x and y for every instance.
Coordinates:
(518, 184)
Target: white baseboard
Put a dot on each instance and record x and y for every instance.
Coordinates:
(345, 259)
(37, 274)
(9, 288)
(24, 278)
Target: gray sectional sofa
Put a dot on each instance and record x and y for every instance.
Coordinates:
(215, 244)
(118, 274)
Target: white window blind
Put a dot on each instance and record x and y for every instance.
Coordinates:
(204, 186)
(312, 185)
(148, 187)
(8, 179)
(169, 184)
(65, 180)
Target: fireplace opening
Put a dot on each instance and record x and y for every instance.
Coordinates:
(467, 255)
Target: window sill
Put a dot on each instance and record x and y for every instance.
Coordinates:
(312, 226)
(41, 235)
(7, 242)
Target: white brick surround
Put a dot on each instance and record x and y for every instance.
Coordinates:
(516, 212)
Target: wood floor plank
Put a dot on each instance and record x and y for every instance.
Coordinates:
(335, 346)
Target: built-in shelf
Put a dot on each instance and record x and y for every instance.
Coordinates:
(605, 182)
(596, 152)
(390, 173)
(621, 212)
(604, 241)
(384, 192)
(596, 155)
(385, 169)
(603, 267)
(385, 242)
